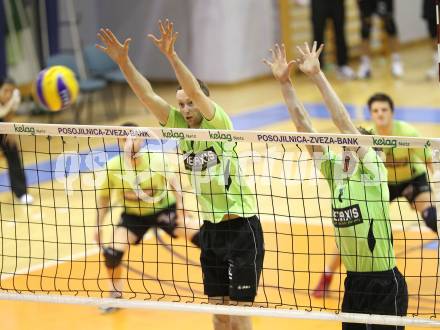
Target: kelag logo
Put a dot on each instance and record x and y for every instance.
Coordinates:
(170, 134)
(24, 129)
(384, 142)
(220, 136)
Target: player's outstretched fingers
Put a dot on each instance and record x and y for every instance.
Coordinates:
(320, 50)
(315, 45)
(306, 48)
(105, 37)
(278, 51)
(300, 51)
(283, 51)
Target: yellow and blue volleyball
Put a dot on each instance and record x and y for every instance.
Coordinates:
(56, 88)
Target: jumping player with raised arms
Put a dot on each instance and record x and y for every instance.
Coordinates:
(407, 174)
(227, 204)
(358, 187)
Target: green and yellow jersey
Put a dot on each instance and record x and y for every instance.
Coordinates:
(214, 171)
(360, 212)
(141, 187)
(404, 164)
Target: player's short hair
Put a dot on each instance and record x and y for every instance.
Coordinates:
(380, 97)
(129, 124)
(202, 85)
(6, 80)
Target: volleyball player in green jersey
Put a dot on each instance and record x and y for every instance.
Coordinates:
(141, 183)
(407, 173)
(359, 197)
(231, 237)
(407, 168)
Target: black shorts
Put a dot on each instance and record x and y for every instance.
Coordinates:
(382, 8)
(410, 189)
(430, 16)
(383, 293)
(139, 225)
(232, 254)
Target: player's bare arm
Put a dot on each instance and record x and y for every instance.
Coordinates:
(186, 79)
(118, 52)
(308, 63)
(281, 70)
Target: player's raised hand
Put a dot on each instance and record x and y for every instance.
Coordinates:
(167, 38)
(280, 67)
(112, 47)
(308, 61)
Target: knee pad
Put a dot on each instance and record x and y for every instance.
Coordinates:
(429, 215)
(390, 25)
(366, 28)
(112, 257)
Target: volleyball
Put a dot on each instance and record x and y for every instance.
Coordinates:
(56, 88)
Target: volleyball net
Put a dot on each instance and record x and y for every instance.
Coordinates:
(48, 249)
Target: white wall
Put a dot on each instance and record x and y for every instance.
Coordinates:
(220, 40)
(409, 20)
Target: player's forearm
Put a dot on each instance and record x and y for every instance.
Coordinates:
(184, 76)
(298, 113)
(144, 91)
(339, 114)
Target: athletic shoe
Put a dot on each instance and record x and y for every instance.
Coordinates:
(26, 199)
(397, 69)
(346, 73)
(321, 289)
(364, 71)
(110, 309)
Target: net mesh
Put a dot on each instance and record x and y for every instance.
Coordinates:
(48, 247)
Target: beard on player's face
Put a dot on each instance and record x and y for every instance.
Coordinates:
(188, 109)
(381, 114)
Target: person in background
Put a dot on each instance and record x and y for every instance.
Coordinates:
(142, 182)
(321, 11)
(9, 102)
(430, 16)
(385, 10)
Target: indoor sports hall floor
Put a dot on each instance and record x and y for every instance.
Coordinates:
(255, 105)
